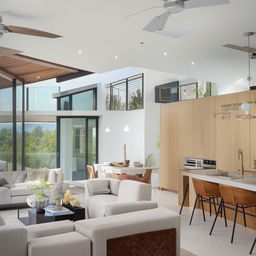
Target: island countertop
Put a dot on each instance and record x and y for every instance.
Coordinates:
(247, 181)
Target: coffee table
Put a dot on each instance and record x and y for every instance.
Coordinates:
(78, 213)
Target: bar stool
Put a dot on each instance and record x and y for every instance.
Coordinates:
(253, 246)
(236, 199)
(206, 192)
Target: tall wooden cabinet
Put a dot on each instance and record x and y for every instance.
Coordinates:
(170, 146)
(189, 129)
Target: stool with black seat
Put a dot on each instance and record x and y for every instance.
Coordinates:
(208, 192)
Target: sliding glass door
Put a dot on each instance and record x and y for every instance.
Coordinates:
(77, 145)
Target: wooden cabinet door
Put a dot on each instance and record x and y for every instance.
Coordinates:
(226, 136)
(253, 132)
(170, 146)
(209, 128)
(191, 128)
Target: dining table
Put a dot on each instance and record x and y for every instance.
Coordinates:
(133, 170)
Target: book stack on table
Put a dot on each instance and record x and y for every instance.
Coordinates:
(51, 211)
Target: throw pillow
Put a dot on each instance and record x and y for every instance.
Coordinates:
(114, 186)
(98, 186)
(20, 176)
(3, 182)
(37, 174)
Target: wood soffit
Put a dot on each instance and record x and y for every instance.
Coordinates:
(27, 70)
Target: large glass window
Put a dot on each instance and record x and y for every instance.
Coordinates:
(6, 99)
(6, 146)
(83, 101)
(86, 100)
(40, 98)
(65, 103)
(40, 145)
(126, 94)
(77, 145)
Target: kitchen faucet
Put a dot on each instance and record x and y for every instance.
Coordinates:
(241, 155)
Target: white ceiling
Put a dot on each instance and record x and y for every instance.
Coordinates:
(98, 29)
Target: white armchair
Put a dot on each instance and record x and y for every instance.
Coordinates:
(111, 196)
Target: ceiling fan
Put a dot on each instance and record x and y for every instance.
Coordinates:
(172, 7)
(248, 49)
(25, 31)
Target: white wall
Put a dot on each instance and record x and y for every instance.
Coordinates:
(111, 143)
(142, 140)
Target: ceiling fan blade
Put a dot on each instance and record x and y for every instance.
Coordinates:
(30, 31)
(139, 12)
(240, 48)
(7, 51)
(203, 3)
(157, 23)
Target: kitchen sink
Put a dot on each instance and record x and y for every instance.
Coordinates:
(224, 174)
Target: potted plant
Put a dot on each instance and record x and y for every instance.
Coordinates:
(39, 199)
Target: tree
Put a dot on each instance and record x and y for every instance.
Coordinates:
(136, 100)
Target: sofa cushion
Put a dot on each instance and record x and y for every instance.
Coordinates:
(5, 195)
(114, 186)
(130, 191)
(98, 186)
(37, 174)
(20, 191)
(2, 222)
(50, 229)
(96, 204)
(66, 244)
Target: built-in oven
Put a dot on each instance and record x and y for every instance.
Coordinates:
(198, 163)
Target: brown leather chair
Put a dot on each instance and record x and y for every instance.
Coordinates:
(207, 192)
(90, 172)
(238, 200)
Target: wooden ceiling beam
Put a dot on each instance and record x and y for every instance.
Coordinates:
(43, 63)
(9, 76)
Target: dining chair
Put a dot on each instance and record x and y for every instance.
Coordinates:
(90, 172)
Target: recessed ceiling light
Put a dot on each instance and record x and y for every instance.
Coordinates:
(38, 77)
(165, 53)
(80, 52)
(192, 63)
(116, 57)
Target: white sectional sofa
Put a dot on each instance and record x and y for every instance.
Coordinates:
(105, 197)
(13, 184)
(142, 233)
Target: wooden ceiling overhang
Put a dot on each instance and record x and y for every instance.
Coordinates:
(28, 70)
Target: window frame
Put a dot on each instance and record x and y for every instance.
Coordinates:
(95, 103)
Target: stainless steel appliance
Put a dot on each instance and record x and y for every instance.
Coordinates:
(198, 163)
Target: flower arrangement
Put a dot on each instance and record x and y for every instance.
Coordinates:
(40, 188)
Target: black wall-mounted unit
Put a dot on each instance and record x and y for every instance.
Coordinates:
(166, 93)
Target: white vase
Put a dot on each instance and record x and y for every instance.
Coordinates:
(39, 205)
